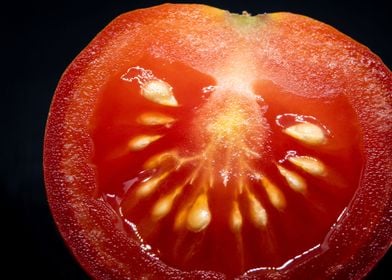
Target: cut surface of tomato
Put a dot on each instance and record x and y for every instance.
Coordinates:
(260, 175)
(217, 151)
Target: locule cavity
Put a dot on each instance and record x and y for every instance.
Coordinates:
(199, 168)
(230, 139)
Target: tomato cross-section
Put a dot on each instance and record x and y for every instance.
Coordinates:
(216, 151)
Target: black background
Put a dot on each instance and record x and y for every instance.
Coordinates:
(38, 41)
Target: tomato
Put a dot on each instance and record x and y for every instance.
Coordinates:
(189, 143)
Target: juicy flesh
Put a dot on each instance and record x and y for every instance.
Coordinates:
(211, 178)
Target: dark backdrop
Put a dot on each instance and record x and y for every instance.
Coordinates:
(38, 41)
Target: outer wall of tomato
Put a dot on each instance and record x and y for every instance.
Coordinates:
(41, 39)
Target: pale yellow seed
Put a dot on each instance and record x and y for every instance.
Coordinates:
(310, 165)
(159, 92)
(294, 180)
(307, 133)
(199, 215)
(210, 178)
(149, 186)
(154, 118)
(241, 185)
(180, 219)
(275, 196)
(164, 205)
(236, 218)
(142, 141)
(258, 214)
(158, 159)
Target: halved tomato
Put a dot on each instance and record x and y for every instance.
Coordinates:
(186, 142)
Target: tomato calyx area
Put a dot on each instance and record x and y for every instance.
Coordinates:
(205, 167)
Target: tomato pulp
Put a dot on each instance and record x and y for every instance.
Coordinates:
(222, 153)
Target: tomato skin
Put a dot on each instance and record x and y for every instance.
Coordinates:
(94, 233)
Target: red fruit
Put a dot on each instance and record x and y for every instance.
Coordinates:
(189, 143)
